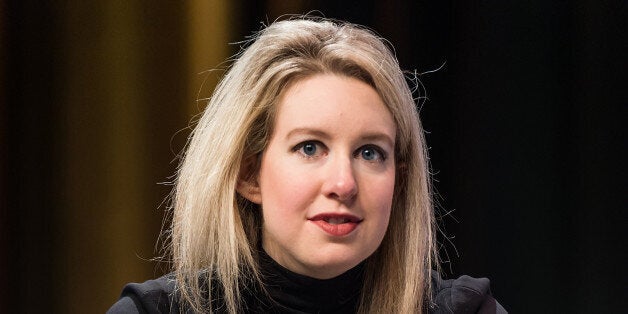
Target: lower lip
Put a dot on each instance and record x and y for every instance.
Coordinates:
(336, 229)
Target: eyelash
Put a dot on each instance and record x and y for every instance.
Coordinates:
(300, 146)
(382, 154)
(298, 149)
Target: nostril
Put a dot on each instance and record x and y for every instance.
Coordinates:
(344, 190)
(340, 183)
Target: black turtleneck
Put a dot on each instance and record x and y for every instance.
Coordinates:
(288, 292)
(295, 293)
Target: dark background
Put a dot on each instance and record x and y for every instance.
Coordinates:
(524, 120)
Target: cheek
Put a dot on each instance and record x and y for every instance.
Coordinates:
(286, 196)
(284, 187)
(381, 189)
(379, 194)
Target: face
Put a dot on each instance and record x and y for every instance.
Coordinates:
(327, 177)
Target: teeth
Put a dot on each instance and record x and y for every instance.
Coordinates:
(337, 221)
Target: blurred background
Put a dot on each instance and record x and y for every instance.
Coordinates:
(525, 124)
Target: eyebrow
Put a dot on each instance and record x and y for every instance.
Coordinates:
(370, 136)
(308, 131)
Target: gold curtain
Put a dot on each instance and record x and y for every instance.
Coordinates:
(127, 79)
(101, 95)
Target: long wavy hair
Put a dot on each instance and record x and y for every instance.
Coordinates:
(215, 232)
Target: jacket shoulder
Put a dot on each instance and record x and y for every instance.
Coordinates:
(463, 295)
(152, 296)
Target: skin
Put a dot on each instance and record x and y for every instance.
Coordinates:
(330, 159)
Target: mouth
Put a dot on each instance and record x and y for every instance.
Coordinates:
(336, 224)
(337, 221)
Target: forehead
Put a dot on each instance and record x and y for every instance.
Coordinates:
(338, 102)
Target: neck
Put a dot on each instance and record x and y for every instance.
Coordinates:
(299, 292)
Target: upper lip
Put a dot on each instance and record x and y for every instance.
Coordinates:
(327, 216)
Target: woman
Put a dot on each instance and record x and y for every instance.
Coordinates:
(305, 188)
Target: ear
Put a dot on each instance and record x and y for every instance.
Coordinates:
(248, 186)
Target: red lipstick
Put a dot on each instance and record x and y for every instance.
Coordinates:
(336, 224)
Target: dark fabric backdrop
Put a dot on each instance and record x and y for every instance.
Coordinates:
(525, 124)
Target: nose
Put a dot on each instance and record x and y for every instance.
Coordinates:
(340, 182)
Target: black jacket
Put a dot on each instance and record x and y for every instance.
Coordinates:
(294, 293)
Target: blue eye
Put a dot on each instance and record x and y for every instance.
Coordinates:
(370, 153)
(309, 149)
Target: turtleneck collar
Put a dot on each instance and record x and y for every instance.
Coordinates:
(295, 293)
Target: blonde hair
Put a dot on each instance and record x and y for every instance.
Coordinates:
(215, 232)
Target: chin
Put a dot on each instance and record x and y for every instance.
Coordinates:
(330, 265)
